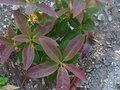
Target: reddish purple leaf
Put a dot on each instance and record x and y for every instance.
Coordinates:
(90, 37)
(47, 28)
(13, 2)
(11, 33)
(109, 1)
(48, 10)
(80, 17)
(50, 48)
(3, 40)
(22, 23)
(2, 47)
(30, 9)
(44, 29)
(75, 82)
(36, 40)
(42, 70)
(74, 47)
(28, 55)
(105, 1)
(21, 38)
(61, 12)
(6, 54)
(63, 80)
(87, 48)
(74, 88)
(76, 71)
(78, 7)
(70, 3)
(50, 40)
(37, 30)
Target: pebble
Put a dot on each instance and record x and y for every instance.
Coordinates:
(15, 7)
(1, 5)
(12, 16)
(4, 26)
(43, 81)
(36, 85)
(101, 17)
(109, 46)
(109, 18)
(118, 10)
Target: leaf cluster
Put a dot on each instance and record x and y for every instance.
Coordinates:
(51, 39)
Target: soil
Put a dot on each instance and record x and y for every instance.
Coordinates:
(106, 72)
(103, 65)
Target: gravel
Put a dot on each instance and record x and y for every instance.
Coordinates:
(106, 73)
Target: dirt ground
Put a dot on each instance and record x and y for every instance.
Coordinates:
(104, 73)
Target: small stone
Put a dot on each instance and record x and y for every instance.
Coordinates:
(109, 18)
(6, 16)
(36, 85)
(51, 4)
(30, 80)
(1, 5)
(101, 17)
(108, 43)
(118, 10)
(53, 89)
(96, 24)
(118, 5)
(43, 81)
(15, 7)
(12, 16)
(5, 20)
(3, 32)
(5, 10)
(4, 26)
(109, 46)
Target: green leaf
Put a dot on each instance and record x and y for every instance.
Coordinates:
(66, 40)
(38, 48)
(62, 27)
(93, 10)
(74, 22)
(19, 55)
(74, 59)
(58, 4)
(36, 60)
(89, 26)
(3, 80)
(64, 3)
(52, 77)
